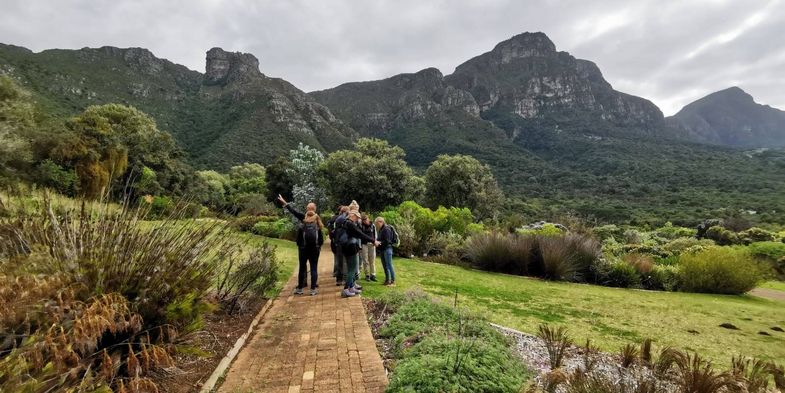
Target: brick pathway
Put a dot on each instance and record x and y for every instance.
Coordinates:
(310, 344)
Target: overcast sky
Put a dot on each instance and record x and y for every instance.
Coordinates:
(671, 52)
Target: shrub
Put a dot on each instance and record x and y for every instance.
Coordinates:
(620, 274)
(102, 287)
(768, 250)
(722, 236)
(608, 231)
(719, 270)
(499, 252)
(446, 248)
(642, 263)
(279, 229)
(246, 223)
(257, 273)
(662, 278)
(756, 234)
(670, 232)
(684, 244)
(556, 343)
(546, 229)
(438, 347)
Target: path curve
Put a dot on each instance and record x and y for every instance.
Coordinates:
(767, 293)
(305, 343)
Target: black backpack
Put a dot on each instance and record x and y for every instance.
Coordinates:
(310, 235)
(396, 241)
(340, 237)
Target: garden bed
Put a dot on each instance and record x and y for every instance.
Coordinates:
(201, 351)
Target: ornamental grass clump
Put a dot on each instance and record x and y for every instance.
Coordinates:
(92, 297)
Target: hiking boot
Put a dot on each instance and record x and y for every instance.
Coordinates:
(314, 292)
(298, 291)
(373, 278)
(347, 293)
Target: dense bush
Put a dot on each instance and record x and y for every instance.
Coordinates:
(257, 273)
(719, 270)
(279, 229)
(620, 274)
(662, 278)
(756, 234)
(441, 348)
(722, 236)
(686, 244)
(446, 247)
(669, 231)
(768, 250)
(246, 223)
(568, 257)
(417, 225)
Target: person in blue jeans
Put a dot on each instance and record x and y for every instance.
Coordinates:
(352, 249)
(385, 238)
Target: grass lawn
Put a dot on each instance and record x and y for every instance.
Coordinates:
(611, 317)
(778, 285)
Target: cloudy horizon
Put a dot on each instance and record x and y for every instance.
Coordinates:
(670, 52)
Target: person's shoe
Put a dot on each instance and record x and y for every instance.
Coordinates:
(392, 284)
(347, 293)
(356, 291)
(298, 291)
(314, 292)
(367, 278)
(386, 282)
(373, 278)
(358, 286)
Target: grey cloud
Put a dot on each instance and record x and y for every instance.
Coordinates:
(640, 46)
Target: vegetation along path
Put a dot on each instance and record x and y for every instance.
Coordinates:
(308, 343)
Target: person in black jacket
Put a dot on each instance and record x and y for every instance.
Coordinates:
(368, 252)
(385, 237)
(309, 244)
(304, 253)
(339, 261)
(351, 250)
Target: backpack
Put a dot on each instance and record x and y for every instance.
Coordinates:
(349, 245)
(339, 235)
(396, 241)
(310, 235)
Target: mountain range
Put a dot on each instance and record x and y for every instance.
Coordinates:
(554, 131)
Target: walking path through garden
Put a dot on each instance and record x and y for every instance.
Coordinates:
(305, 343)
(767, 293)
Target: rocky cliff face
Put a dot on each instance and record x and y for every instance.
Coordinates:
(527, 77)
(523, 86)
(731, 117)
(403, 99)
(231, 114)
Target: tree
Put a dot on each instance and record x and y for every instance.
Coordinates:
(303, 164)
(278, 179)
(374, 174)
(119, 142)
(462, 181)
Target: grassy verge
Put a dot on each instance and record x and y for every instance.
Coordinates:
(611, 317)
(778, 285)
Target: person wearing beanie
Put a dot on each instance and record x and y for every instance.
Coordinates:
(352, 249)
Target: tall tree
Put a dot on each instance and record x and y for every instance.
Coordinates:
(374, 174)
(462, 181)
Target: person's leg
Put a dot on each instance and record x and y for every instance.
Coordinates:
(385, 266)
(314, 262)
(364, 261)
(372, 261)
(389, 253)
(338, 267)
(351, 264)
(302, 255)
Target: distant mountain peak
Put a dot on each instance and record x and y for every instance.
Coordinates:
(525, 45)
(222, 66)
(731, 117)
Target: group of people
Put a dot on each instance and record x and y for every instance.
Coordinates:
(354, 241)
